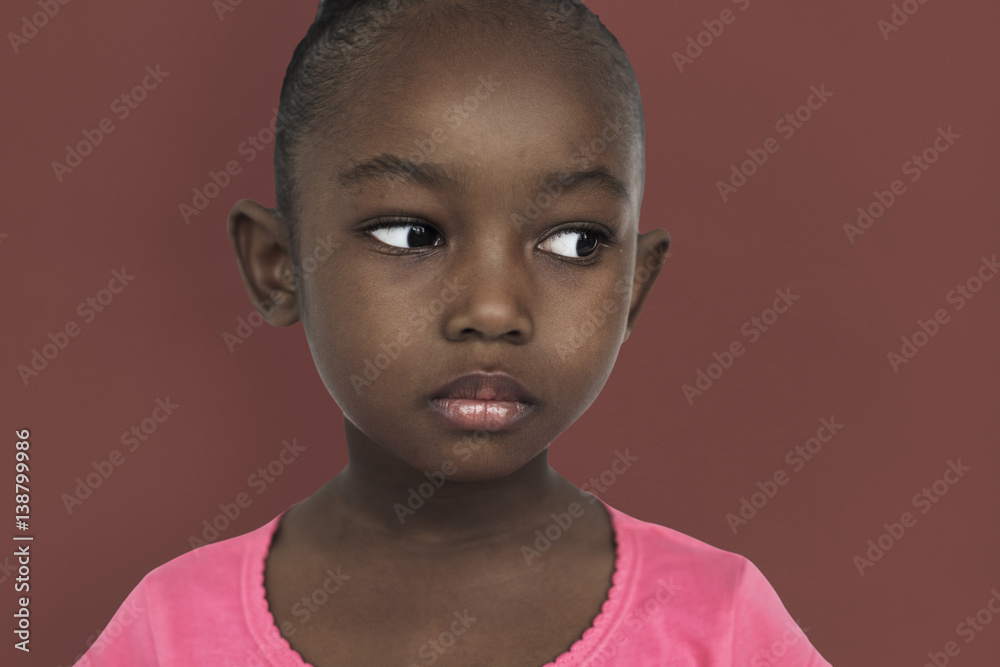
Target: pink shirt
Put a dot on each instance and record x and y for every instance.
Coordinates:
(673, 601)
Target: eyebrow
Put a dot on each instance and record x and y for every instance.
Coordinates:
(388, 168)
(392, 169)
(598, 180)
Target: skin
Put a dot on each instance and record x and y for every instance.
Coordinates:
(512, 302)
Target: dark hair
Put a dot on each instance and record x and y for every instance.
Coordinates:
(341, 48)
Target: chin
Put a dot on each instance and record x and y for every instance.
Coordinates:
(477, 456)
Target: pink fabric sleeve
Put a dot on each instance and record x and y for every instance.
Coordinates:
(127, 640)
(764, 634)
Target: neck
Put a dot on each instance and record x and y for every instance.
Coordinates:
(390, 500)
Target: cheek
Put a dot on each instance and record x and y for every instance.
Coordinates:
(362, 334)
(587, 334)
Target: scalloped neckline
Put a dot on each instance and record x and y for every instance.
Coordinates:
(266, 633)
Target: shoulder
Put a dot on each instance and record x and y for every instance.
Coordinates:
(209, 569)
(657, 549)
(701, 595)
(185, 603)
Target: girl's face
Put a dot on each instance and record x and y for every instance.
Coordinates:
(483, 212)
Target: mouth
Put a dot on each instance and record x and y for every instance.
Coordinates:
(483, 401)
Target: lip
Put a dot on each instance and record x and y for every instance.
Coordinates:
(482, 401)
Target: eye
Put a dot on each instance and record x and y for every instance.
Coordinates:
(579, 243)
(406, 235)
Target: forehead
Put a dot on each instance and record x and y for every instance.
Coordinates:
(472, 109)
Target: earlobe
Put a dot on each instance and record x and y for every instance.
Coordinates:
(265, 262)
(650, 254)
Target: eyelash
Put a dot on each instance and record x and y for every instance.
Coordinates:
(389, 223)
(604, 238)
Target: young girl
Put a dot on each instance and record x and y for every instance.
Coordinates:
(473, 172)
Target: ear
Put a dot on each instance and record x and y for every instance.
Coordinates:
(650, 254)
(264, 258)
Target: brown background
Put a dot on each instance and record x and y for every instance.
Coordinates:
(826, 357)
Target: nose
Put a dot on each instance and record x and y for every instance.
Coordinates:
(494, 293)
